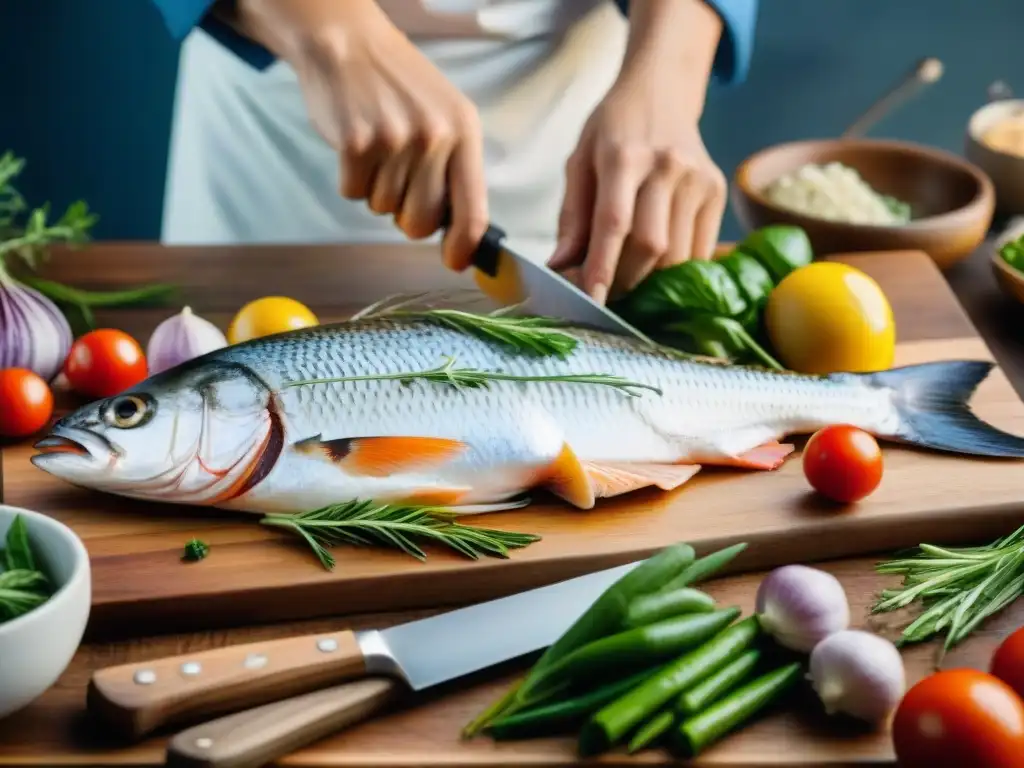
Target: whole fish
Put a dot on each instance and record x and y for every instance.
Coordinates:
(249, 427)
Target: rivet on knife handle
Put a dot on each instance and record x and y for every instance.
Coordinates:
(262, 735)
(136, 699)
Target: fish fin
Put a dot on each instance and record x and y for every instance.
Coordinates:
(435, 496)
(382, 456)
(616, 478)
(768, 456)
(932, 400)
(567, 478)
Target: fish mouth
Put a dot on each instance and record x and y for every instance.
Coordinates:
(68, 444)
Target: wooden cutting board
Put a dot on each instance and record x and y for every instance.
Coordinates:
(253, 575)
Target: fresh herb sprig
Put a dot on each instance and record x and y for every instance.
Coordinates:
(195, 550)
(23, 586)
(959, 587)
(365, 523)
(1012, 253)
(473, 378)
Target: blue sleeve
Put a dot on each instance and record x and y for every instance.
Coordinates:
(181, 16)
(739, 19)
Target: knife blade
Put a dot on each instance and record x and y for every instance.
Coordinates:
(136, 699)
(510, 278)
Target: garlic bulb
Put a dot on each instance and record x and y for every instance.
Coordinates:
(181, 338)
(859, 674)
(34, 333)
(799, 606)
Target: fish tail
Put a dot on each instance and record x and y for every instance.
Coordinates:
(932, 400)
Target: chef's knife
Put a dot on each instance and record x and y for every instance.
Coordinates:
(136, 699)
(510, 278)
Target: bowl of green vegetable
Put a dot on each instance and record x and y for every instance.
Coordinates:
(45, 594)
(868, 195)
(1008, 265)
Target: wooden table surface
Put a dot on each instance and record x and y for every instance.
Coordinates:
(54, 725)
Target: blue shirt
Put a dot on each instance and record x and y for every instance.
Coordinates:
(732, 60)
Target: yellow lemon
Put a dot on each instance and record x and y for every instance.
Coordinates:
(829, 317)
(271, 314)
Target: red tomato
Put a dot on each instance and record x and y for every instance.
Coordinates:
(26, 402)
(104, 362)
(959, 718)
(843, 463)
(1008, 662)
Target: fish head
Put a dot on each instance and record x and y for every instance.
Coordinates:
(188, 435)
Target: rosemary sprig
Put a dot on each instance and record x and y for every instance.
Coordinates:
(472, 378)
(364, 523)
(958, 587)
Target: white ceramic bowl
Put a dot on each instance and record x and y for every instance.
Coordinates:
(37, 647)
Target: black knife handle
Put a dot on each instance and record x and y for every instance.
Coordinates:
(485, 257)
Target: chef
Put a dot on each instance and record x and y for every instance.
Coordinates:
(566, 122)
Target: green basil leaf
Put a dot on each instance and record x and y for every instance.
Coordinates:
(18, 552)
(693, 287)
(727, 332)
(754, 280)
(780, 248)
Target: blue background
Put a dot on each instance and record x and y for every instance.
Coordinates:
(86, 94)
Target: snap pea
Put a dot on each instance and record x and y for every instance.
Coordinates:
(652, 730)
(633, 648)
(702, 730)
(603, 617)
(704, 568)
(711, 689)
(551, 717)
(657, 606)
(618, 718)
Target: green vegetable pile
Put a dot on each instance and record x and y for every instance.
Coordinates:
(1013, 254)
(652, 661)
(715, 308)
(23, 586)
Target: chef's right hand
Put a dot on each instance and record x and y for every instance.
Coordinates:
(409, 141)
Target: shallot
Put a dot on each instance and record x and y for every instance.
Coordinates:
(34, 334)
(859, 674)
(181, 338)
(799, 606)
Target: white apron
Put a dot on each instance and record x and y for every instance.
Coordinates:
(246, 166)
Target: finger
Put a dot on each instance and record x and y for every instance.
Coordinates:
(360, 162)
(617, 182)
(685, 204)
(389, 187)
(467, 193)
(424, 204)
(574, 218)
(648, 241)
(707, 226)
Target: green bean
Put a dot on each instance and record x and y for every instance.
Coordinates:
(550, 717)
(603, 617)
(704, 568)
(656, 606)
(651, 730)
(618, 718)
(702, 730)
(634, 648)
(709, 690)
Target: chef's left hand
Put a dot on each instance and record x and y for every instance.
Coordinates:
(641, 191)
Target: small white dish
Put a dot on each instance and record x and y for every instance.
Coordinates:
(37, 647)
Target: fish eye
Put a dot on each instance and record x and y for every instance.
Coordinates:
(127, 411)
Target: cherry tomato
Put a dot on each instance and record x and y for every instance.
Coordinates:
(959, 718)
(26, 402)
(843, 463)
(1008, 662)
(104, 362)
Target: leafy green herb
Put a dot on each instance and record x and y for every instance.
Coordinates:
(23, 586)
(472, 378)
(725, 336)
(959, 587)
(781, 249)
(1013, 254)
(195, 550)
(364, 523)
(690, 288)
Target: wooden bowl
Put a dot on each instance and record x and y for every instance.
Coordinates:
(1005, 169)
(1009, 279)
(951, 200)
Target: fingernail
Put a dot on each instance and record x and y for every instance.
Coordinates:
(599, 293)
(558, 256)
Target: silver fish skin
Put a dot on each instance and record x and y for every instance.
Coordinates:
(237, 429)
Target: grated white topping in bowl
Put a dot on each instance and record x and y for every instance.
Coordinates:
(835, 192)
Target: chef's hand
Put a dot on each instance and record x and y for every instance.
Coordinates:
(405, 135)
(641, 191)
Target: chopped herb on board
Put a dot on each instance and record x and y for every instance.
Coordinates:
(195, 550)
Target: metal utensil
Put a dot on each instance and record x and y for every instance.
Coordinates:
(925, 72)
(136, 699)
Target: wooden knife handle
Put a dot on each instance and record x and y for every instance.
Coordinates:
(136, 699)
(264, 734)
